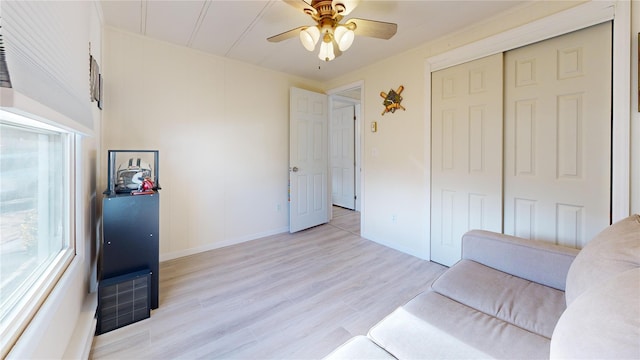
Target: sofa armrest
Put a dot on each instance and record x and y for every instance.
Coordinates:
(537, 261)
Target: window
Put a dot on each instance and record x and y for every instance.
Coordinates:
(36, 168)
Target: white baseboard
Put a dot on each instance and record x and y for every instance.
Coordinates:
(221, 244)
(424, 254)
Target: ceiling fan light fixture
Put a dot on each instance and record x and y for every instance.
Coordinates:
(344, 37)
(309, 37)
(326, 51)
(334, 37)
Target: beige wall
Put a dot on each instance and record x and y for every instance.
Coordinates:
(222, 131)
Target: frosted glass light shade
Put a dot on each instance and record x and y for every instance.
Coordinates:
(326, 51)
(344, 37)
(309, 37)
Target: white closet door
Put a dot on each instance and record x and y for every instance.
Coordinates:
(466, 152)
(557, 137)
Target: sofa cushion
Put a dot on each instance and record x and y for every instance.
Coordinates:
(535, 260)
(603, 322)
(359, 347)
(614, 250)
(526, 304)
(432, 326)
(409, 337)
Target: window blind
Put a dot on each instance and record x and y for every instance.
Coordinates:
(46, 48)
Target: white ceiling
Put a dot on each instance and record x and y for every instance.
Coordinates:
(238, 29)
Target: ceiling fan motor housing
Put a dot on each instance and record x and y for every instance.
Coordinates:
(325, 9)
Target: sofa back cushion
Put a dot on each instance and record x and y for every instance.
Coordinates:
(602, 323)
(534, 260)
(615, 250)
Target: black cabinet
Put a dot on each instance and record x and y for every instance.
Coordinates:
(130, 241)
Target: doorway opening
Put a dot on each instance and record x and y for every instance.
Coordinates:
(345, 219)
(345, 141)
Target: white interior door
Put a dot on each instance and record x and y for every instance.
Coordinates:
(308, 159)
(466, 174)
(342, 157)
(558, 137)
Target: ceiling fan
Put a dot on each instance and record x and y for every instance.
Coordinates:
(336, 37)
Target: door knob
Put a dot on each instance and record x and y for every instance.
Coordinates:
(294, 169)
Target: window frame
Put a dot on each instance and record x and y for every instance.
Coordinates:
(27, 302)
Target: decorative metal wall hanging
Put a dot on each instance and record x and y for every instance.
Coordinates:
(392, 100)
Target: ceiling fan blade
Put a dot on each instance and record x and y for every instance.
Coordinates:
(287, 34)
(302, 6)
(372, 28)
(349, 5)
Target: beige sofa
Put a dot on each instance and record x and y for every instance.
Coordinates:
(512, 298)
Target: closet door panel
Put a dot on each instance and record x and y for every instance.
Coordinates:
(557, 137)
(466, 154)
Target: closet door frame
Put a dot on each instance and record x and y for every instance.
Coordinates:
(576, 18)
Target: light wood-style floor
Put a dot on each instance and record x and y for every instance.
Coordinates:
(287, 296)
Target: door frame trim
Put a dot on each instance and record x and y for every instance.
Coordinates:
(576, 18)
